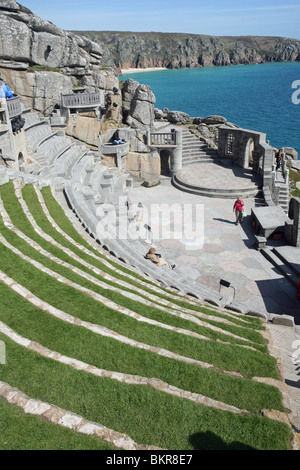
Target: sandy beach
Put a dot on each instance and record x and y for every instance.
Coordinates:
(150, 69)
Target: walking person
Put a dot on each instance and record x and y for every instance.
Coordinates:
(238, 208)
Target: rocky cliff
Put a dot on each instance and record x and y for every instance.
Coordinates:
(141, 50)
(40, 61)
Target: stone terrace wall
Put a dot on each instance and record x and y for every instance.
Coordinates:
(233, 144)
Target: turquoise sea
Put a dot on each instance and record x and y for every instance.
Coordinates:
(256, 97)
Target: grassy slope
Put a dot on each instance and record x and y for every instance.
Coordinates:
(119, 406)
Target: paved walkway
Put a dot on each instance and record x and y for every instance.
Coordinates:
(221, 250)
(227, 251)
(216, 177)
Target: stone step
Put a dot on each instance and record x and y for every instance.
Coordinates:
(215, 192)
(189, 161)
(294, 267)
(280, 264)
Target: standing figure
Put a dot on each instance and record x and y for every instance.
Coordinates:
(238, 208)
(278, 160)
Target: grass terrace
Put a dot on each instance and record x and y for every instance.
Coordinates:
(88, 335)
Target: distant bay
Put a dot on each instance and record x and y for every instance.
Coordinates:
(256, 97)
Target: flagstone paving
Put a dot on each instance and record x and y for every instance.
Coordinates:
(226, 252)
(215, 176)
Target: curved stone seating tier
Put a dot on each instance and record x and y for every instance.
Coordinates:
(52, 148)
(91, 190)
(78, 172)
(209, 180)
(94, 175)
(36, 135)
(65, 163)
(32, 119)
(132, 252)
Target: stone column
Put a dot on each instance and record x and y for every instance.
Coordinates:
(176, 154)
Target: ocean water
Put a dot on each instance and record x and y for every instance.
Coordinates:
(256, 97)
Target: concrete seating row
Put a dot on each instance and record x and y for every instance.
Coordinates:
(36, 135)
(132, 252)
(65, 163)
(51, 149)
(32, 119)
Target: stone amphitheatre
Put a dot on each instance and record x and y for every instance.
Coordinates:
(99, 348)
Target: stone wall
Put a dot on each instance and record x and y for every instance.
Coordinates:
(143, 166)
(233, 144)
(292, 231)
(84, 128)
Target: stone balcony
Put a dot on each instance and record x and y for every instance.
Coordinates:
(162, 139)
(14, 107)
(82, 100)
(114, 153)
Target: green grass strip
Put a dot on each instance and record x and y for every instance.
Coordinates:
(79, 343)
(20, 431)
(249, 363)
(146, 415)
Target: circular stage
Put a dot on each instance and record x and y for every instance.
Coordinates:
(215, 180)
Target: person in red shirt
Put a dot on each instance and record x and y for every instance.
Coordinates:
(238, 208)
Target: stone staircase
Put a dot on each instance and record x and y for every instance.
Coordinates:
(283, 199)
(194, 151)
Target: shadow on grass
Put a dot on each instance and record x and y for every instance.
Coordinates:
(210, 441)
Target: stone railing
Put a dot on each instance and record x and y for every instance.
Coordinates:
(285, 171)
(160, 139)
(14, 107)
(81, 100)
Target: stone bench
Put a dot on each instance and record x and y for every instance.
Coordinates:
(52, 149)
(78, 173)
(267, 220)
(260, 242)
(65, 163)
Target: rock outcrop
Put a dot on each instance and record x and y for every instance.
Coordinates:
(40, 61)
(31, 40)
(138, 104)
(141, 50)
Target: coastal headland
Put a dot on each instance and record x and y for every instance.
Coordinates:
(126, 50)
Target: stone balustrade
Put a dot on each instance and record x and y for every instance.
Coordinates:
(162, 138)
(14, 107)
(81, 100)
